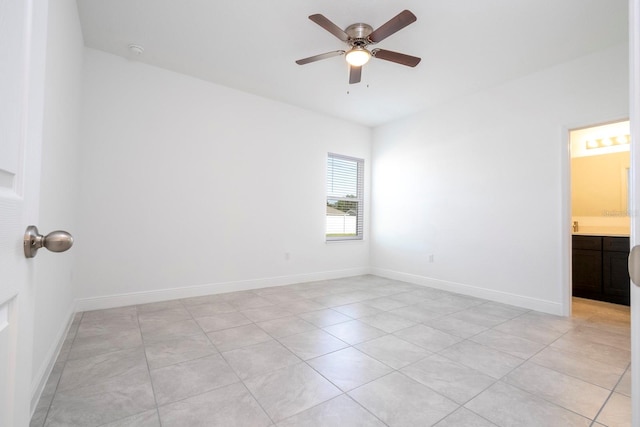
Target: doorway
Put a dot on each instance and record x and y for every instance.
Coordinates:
(600, 223)
(600, 227)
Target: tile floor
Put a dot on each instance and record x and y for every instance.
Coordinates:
(363, 351)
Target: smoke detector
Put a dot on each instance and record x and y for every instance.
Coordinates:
(136, 49)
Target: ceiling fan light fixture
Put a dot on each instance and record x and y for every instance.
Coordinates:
(358, 56)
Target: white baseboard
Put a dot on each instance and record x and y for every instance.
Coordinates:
(41, 377)
(122, 300)
(490, 294)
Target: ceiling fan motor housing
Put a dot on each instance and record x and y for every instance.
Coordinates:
(359, 34)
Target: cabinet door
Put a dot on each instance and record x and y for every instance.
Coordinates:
(616, 244)
(615, 277)
(587, 273)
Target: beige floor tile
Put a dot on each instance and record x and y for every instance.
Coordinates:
(349, 368)
(186, 379)
(259, 358)
(167, 352)
(326, 317)
(624, 386)
(457, 327)
(221, 321)
(464, 418)
(571, 393)
(506, 405)
(393, 351)
(507, 343)
(210, 309)
(357, 310)
(428, 338)
(230, 339)
(102, 368)
(385, 303)
(387, 322)
(617, 411)
(288, 391)
(603, 353)
(232, 405)
(457, 382)
(529, 329)
(285, 326)
(310, 344)
(354, 331)
(143, 419)
(491, 362)
(576, 365)
(103, 402)
(400, 401)
(167, 329)
(341, 411)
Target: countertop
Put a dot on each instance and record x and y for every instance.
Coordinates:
(601, 233)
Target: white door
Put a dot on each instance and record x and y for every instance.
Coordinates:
(634, 61)
(22, 54)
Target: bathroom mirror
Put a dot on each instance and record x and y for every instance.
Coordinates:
(599, 185)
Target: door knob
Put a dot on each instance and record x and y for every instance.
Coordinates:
(56, 241)
(634, 265)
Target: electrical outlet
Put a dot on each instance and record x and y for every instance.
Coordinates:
(287, 256)
(431, 257)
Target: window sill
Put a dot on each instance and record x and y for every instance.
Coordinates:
(344, 241)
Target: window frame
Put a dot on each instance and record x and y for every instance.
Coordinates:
(359, 199)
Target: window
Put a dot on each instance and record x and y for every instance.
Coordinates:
(345, 190)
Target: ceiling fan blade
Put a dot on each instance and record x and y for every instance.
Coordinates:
(392, 26)
(320, 57)
(355, 74)
(329, 26)
(398, 58)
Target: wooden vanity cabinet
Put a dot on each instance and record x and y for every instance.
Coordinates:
(599, 268)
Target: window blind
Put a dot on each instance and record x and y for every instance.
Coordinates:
(345, 197)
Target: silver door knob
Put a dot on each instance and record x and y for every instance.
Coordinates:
(634, 265)
(56, 241)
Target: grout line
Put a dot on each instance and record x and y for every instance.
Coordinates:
(613, 390)
(144, 351)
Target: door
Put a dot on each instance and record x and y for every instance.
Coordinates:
(22, 54)
(634, 73)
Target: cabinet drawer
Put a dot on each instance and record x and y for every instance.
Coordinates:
(617, 244)
(587, 242)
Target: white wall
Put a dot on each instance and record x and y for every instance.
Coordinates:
(187, 183)
(483, 181)
(54, 295)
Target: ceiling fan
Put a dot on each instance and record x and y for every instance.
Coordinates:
(358, 37)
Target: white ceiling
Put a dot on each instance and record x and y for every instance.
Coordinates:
(251, 45)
